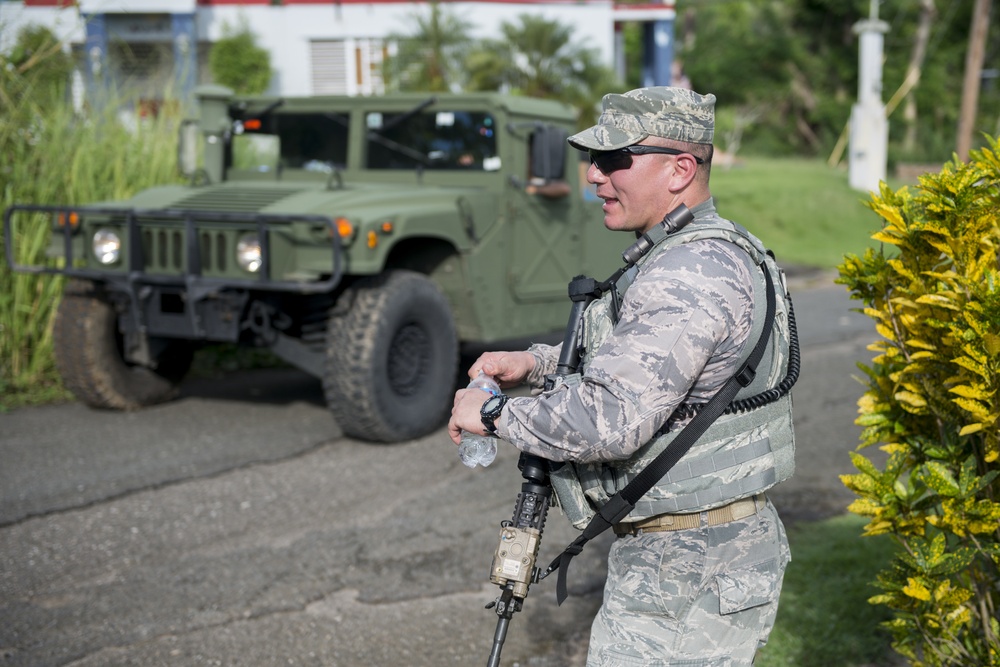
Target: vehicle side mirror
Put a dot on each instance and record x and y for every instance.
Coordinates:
(187, 148)
(548, 153)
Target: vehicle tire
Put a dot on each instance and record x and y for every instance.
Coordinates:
(88, 352)
(391, 358)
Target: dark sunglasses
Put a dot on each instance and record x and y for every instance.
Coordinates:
(610, 161)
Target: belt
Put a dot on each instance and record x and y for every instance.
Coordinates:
(739, 509)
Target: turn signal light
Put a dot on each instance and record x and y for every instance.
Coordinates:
(344, 227)
(252, 124)
(71, 218)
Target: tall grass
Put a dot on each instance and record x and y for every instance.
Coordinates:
(54, 155)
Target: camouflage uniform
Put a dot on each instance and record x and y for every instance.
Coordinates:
(700, 596)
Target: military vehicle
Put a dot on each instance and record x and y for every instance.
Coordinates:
(365, 240)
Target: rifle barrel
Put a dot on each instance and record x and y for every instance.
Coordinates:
(498, 638)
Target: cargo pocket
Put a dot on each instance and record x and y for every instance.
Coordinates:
(749, 587)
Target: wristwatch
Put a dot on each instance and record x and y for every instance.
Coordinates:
(491, 410)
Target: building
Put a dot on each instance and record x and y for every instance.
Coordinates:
(316, 46)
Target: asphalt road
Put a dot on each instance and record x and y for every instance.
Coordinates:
(236, 526)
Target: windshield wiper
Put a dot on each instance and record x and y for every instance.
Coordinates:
(403, 117)
(376, 135)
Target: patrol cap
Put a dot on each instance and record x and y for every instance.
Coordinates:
(660, 111)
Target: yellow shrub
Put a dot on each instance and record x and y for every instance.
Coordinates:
(933, 401)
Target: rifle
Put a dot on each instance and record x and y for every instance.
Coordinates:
(513, 567)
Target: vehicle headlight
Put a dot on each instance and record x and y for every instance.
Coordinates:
(248, 254)
(107, 246)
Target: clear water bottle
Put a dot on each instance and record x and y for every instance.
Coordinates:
(479, 449)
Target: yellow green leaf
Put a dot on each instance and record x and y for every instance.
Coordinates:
(917, 590)
(939, 478)
(970, 365)
(886, 237)
(885, 331)
(978, 411)
(910, 398)
(969, 429)
(973, 392)
(938, 300)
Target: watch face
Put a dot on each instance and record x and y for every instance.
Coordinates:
(493, 403)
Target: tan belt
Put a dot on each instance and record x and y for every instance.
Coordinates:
(739, 509)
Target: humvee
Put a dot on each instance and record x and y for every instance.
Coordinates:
(365, 240)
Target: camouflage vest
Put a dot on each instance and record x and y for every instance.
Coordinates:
(739, 455)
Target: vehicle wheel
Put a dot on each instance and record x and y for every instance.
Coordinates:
(391, 358)
(88, 351)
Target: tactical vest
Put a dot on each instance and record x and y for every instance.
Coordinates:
(739, 455)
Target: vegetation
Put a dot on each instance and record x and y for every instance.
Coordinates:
(788, 71)
(785, 71)
(933, 402)
(432, 57)
(51, 154)
(237, 62)
(534, 57)
(537, 57)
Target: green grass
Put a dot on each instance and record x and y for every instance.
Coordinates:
(801, 209)
(824, 619)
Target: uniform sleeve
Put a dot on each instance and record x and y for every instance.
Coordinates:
(546, 360)
(683, 325)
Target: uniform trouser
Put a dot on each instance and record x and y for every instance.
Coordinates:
(692, 598)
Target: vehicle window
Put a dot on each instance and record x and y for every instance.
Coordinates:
(314, 142)
(432, 140)
(255, 152)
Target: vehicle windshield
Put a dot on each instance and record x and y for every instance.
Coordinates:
(431, 140)
(310, 141)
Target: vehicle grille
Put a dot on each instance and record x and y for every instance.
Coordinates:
(163, 250)
(163, 245)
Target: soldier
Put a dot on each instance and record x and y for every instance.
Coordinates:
(695, 574)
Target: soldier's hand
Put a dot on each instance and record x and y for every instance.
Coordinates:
(465, 414)
(509, 369)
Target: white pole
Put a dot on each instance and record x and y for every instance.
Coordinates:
(869, 128)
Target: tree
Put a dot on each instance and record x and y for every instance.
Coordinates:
(237, 62)
(973, 73)
(431, 57)
(928, 12)
(537, 57)
(755, 64)
(37, 68)
(798, 60)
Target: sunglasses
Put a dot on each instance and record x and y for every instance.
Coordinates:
(611, 161)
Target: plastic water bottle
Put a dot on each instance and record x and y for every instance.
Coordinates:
(479, 449)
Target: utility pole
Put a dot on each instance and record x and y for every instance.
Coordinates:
(973, 76)
(869, 137)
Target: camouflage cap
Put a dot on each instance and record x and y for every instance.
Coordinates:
(671, 113)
